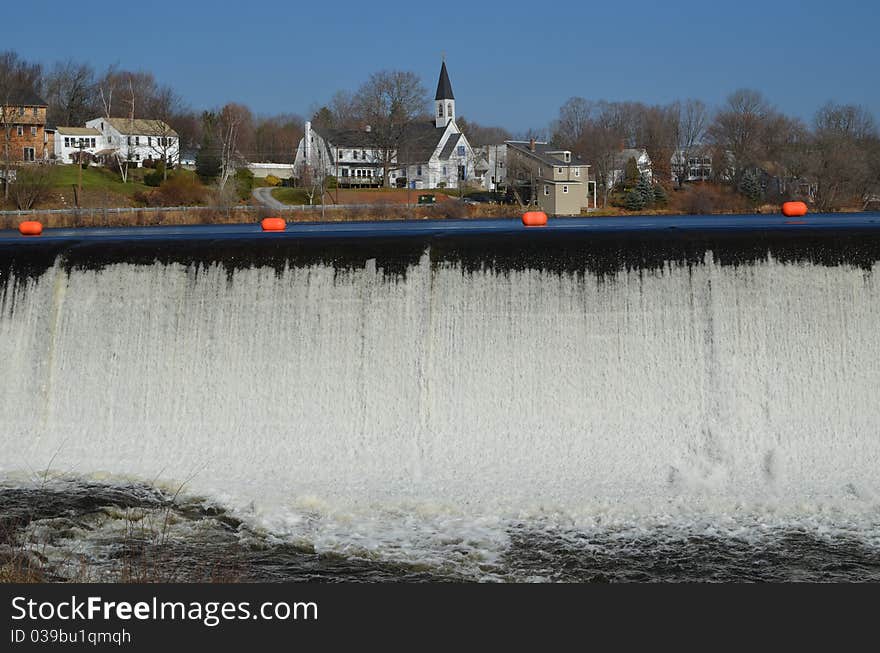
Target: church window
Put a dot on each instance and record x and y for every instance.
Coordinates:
(440, 110)
(461, 150)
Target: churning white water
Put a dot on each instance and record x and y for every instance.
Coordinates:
(416, 418)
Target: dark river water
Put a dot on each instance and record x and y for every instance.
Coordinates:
(134, 533)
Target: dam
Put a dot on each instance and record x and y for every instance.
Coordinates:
(473, 398)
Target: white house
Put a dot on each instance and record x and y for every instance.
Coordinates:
(643, 162)
(69, 141)
(698, 166)
(491, 167)
(433, 154)
(138, 140)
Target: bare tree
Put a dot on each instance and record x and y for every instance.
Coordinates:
(479, 135)
(575, 117)
(693, 120)
(845, 137)
(122, 158)
(739, 131)
(234, 128)
(70, 90)
(389, 102)
(32, 184)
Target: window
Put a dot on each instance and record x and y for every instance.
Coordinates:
(36, 112)
(150, 141)
(561, 170)
(565, 189)
(93, 142)
(137, 140)
(546, 189)
(440, 110)
(33, 131)
(460, 150)
(577, 172)
(137, 157)
(449, 110)
(364, 155)
(354, 155)
(444, 170)
(67, 142)
(567, 156)
(419, 171)
(21, 111)
(102, 125)
(369, 173)
(20, 130)
(340, 154)
(28, 154)
(345, 172)
(129, 140)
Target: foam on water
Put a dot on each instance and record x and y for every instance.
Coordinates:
(418, 418)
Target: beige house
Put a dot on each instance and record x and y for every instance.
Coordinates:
(549, 178)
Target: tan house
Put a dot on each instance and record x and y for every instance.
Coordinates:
(549, 178)
(23, 124)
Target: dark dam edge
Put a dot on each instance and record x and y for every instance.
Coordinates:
(597, 246)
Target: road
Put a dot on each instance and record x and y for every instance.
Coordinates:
(264, 196)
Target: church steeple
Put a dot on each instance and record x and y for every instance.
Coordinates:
(444, 101)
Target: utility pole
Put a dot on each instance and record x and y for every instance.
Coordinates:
(79, 181)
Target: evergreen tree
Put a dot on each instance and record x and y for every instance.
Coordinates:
(634, 201)
(631, 172)
(208, 157)
(646, 190)
(660, 196)
(751, 187)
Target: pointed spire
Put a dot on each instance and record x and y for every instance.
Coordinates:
(444, 88)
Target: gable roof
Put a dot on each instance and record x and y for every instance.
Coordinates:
(77, 131)
(451, 142)
(141, 126)
(346, 137)
(419, 142)
(621, 157)
(546, 153)
(444, 87)
(24, 98)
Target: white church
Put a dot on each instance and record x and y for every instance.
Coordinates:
(433, 154)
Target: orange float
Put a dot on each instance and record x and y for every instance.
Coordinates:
(273, 224)
(794, 209)
(534, 218)
(30, 228)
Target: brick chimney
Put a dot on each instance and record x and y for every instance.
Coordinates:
(532, 145)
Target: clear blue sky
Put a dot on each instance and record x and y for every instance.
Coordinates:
(510, 63)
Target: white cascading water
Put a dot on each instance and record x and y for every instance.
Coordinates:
(416, 418)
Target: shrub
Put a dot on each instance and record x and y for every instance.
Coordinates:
(272, 180)
(699, 201)
(244, 183)
(179, 190)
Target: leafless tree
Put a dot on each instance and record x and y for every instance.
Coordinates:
(389, 102)
(575, 117)
(122, 158)
(739, 131)
(32, 184)
(479, 135)
(70, 90)
(693, 120)
(234, 127)
(844, 142)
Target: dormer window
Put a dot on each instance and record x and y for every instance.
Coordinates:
(567, 156)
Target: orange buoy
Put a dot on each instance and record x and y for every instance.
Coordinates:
(534, 218)
(794, 209)
(273, 224)
(30, 228)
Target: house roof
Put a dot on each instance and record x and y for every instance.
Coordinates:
(419, 142)
(451, 142)
(546, 153)
(78, 131)
(141, 126)
(444, 87)
(346, 138)
(629, 153)
(24, 98)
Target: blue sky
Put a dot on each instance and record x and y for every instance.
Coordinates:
(510, 63)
